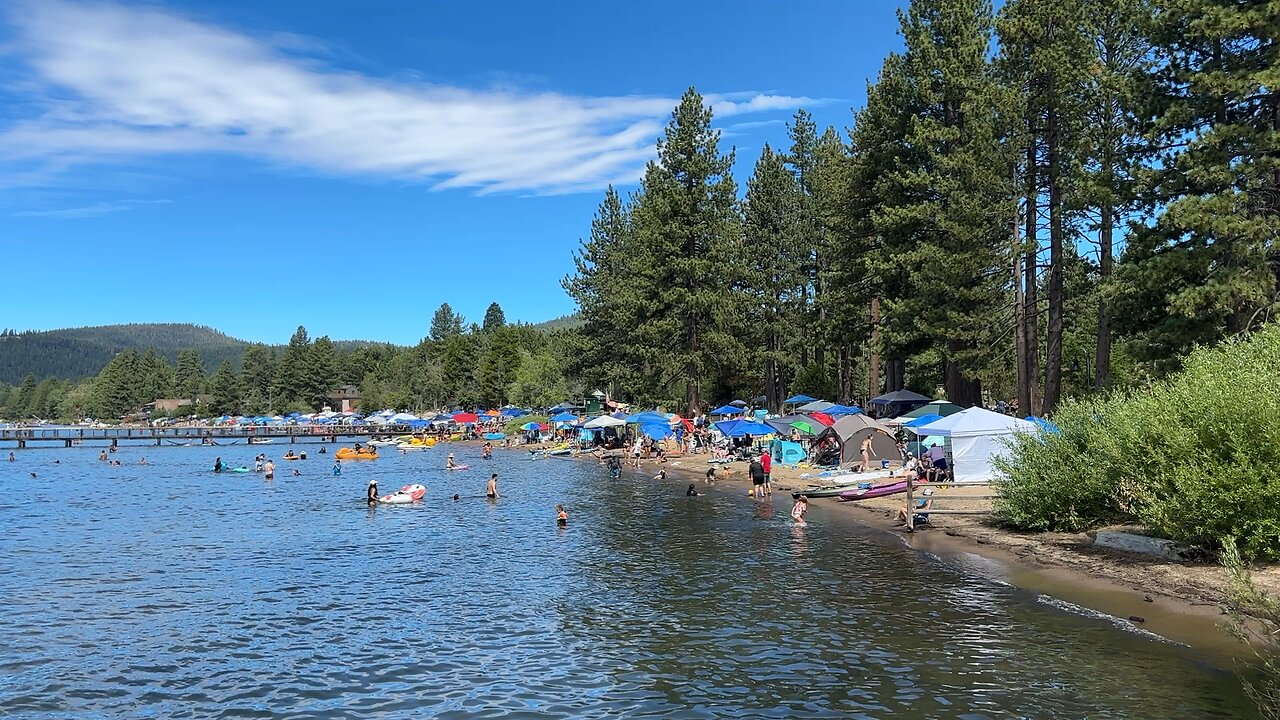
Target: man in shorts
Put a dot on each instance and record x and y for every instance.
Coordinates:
(757, 478)
(766, 464)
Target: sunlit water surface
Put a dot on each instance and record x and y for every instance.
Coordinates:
(165, 591)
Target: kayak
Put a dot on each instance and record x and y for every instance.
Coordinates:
(383, 443)
(874, 491)
(351, 454)
(821, 492)
(458, 467)
(404, 496)
(227, 470)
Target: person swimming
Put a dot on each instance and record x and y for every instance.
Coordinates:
(297, 472)
(662, 475)
(691, 492)
(562, 517)
(456, 497)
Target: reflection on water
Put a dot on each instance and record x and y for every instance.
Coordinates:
(165, 590)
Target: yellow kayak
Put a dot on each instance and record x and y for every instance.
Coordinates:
(351, 454)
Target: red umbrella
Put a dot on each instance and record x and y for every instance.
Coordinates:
(465, 417)
(688, 425)
(823, 418)
(543, 426)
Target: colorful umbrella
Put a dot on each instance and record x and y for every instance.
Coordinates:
(531, 426)
(802, 426)
(823, 418)
(464, 417)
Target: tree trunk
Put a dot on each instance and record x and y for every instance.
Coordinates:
(1029, 394)
(895, 375)
(873, 369)
(1106, 230)
(845, 370)
(960, 390)
(692, 374)
(1053, 350)
(1019, 317)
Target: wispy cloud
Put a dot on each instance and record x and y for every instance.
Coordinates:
(98, 208)
(131, 82)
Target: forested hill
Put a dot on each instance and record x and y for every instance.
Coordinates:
(76, 353)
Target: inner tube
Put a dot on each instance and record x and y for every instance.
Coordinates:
(231, 470)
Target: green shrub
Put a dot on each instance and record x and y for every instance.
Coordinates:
(1191, 458)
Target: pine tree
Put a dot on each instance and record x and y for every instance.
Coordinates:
(1206, 268)
(686, 231)
(19, 401)
(778, 279)
(293, 383)
(256, 372)
(494, 318)
(1045, 45)
(322, 371)
(445, 323)
(189, 379)
(157, 376)
(224, 390)
(458, 366)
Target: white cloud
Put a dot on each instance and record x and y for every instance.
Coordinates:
(121, 82)
(98, 208)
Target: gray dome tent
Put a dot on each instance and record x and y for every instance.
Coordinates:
(850, 430)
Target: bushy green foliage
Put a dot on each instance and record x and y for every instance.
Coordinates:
(1191, 458)
(1253, 617)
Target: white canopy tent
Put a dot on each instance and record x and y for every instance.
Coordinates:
(604, 421)
(977, 436)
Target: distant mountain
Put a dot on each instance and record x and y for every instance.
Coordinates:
(75, 353)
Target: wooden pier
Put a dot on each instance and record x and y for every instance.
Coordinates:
(228, 435)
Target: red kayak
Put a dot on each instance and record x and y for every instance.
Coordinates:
(874, 491)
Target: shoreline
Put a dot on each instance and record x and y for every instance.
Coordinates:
(1176, 602)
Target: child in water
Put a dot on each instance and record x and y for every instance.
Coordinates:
(562, 517)
(799, 509)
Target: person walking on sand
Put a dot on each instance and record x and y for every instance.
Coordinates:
(269, 470)
(491, 490)
(867, 453)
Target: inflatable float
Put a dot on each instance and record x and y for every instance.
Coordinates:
(495, 436)
(230, 470)
(352, 454)
(405, 495)
(458, 467)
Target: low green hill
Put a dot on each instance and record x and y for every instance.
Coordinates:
(75, 353)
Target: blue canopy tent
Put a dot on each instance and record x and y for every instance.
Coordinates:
(726, 410)
(512, 412)
(798, 399)
(738, 428)
(656, 431)
(647, 418)
(1044, 425)
(564, 417)
(923, 420)
(842, 410)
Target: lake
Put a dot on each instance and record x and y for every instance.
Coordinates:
(166, 591)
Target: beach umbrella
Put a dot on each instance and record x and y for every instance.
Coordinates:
(726, 410)
(464, 418)
(823, 418)
(491, 413)
(604, 421)
(647, 418)
(798, 399)
(802, 426)
(531, 426)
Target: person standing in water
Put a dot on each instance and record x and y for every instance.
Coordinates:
(488, 451)
(799, 509)
(217, 464)
(102, 456)
(766, 464)
(269, 470)
(337, 467)
(449, 464)
(562, 517)
(372, 495)
(12, 457)
(491, 491)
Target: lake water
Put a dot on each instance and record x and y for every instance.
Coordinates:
(165, 591)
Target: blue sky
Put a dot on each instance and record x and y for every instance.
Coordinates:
(349, 166)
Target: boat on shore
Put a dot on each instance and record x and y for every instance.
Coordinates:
(874, 491)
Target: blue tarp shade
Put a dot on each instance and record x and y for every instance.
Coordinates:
(514, 412)
(564, 417)
(647, 418)
(1043, 424)
(795, 399)
(842, 410)
(923, 420)
(726, 410)
(656, 431)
